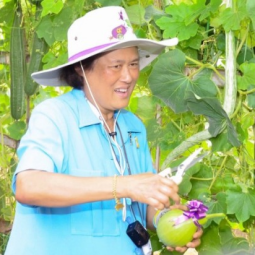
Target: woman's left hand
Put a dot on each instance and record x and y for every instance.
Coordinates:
(196, 237)
(193, 244)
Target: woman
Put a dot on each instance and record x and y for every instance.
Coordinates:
(85, 173)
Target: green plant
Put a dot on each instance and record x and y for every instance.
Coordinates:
(18, 65)
(192, 99)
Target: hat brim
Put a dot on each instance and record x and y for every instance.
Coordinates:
(148, 51)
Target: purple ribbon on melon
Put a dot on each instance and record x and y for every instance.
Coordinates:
(196, 211)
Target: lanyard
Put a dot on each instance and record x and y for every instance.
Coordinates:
(120, 163)
(130, 173)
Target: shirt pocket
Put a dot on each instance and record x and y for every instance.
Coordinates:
(96, 218)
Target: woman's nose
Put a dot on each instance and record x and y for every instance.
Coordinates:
(126, 75)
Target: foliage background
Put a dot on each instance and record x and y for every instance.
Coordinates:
(200, 94)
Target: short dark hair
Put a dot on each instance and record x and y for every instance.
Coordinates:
(72, 78)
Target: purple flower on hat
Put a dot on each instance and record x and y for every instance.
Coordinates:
(119, 32)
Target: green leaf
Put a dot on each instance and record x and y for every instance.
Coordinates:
(186, 184)
(245, 55)
(230, 244)
(173, 28)
(210, 242)
(6, 13)
(44, 30)
(50, 7)
(136, 14)
(217, 206)
(231, 18)
(248, 120)
(194, 42)
(155, 243)
(109, 3)
(201, 182)
(215, 115)
(241, 204)
(250, 7)
(248, 77)
(17, 129)
(182, 20)
(151, 12)
(186, 12)
(61, 23)
(146, 107)
(221, 143)
(169, 82)
(210, 8)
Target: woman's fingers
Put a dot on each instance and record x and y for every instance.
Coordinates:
(196, 241)
(154, 190)
(193, 244)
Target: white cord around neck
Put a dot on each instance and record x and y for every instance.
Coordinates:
(96, 105)
(121, 164)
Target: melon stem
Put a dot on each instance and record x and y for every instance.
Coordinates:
(211, 216)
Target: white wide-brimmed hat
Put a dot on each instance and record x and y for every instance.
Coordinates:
(101, 30)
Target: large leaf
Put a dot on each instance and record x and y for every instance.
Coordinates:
(210, 244)
(136, 14)
(215, 115)
(230, 244)
(169, 82)
(109, 3)
(218, 205)
(186, 185)
(220, 142)
(248, 76)
(151, 12)
(251, 97)
(231, 18)
(17, 129)
(210, 8)
(181, 22)
(44, 30)
(61, 23)
(250, 6)
(241, 204)
(201, 182)
(50, 7)
(173, 28)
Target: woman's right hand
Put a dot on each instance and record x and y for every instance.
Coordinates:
(151, 189)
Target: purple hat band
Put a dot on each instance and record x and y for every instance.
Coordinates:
(88, 51)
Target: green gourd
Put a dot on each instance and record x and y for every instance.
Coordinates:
(17, 66)
(178, 235)
(39, 48)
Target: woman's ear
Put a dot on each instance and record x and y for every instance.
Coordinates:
(78, 70)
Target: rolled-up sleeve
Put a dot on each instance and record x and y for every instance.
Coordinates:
(41, 148)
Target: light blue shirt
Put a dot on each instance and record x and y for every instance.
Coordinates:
(65, 136)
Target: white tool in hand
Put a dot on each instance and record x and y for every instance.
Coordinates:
(183, 167)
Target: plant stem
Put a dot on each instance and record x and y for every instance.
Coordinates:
(194, 61)
(215, 215)
(243, 39)
(211, 216)
(218, 172)
(238, 107)
(201, 179)
(246, 92)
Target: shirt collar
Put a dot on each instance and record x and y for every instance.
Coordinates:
(86, 116)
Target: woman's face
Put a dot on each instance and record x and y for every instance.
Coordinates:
(113, 78)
